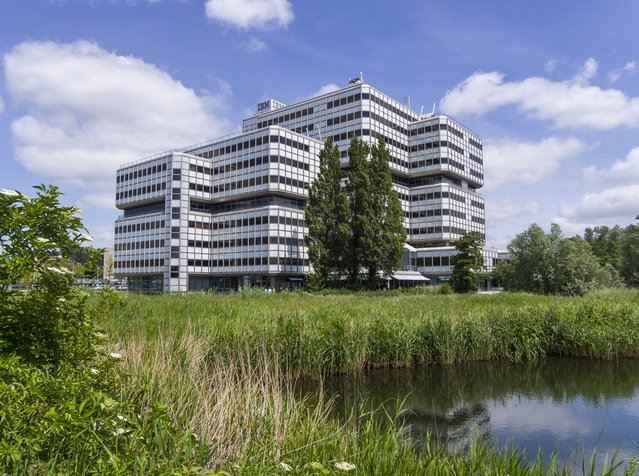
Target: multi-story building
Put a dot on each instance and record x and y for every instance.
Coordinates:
(230, 212)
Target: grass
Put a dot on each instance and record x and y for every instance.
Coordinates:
(311, 335)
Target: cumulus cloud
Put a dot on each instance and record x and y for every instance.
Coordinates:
(629, 68)
(502, 209)
(612, 203)
(245, 14)
(89, 111)
(512, 160)
(626, 170)
(572, 103)
(254, 45)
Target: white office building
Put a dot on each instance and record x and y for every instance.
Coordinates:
(229, 213)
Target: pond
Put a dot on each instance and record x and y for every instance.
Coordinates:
(572, 405)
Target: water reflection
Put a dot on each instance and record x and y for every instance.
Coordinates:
(572, 404)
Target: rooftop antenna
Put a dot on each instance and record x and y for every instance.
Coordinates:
(319, 131)
(421, 111)
(433, 113)
(361, 76)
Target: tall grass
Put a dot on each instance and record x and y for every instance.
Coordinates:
(306, 334)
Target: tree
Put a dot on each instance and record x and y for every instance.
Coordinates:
(532, 259)
(327, 216)
(577, 270)
(551, 264)
(49, 323)
(467, 261)
(388, 233)
(361, 211)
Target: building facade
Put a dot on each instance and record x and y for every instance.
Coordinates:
(229, 213)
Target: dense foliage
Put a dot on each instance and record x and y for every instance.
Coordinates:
(359, 226)
(467, 261)
(617, 247)
(548, 263)
(67, 405)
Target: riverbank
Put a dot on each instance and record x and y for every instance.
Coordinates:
(221, 363)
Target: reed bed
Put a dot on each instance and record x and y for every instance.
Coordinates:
(311, 335)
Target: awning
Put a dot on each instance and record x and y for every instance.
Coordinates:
(407, 276)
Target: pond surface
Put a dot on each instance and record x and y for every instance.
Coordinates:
(573, 405)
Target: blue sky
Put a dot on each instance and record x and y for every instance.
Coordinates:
(551, 87)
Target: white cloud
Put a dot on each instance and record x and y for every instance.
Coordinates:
(567, 104)
(612, 203)
(626, 170)
(89, 111)
(245, 14)
(97, 200)
(512, 160)
(327, 88)
(629, 67)
(501, 209)
(254, 45)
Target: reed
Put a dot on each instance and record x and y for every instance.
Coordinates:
(311, 335)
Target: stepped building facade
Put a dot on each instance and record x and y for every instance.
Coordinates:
(229, 213)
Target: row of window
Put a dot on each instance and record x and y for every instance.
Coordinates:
(259, 161)
(286, 117)
(156, 187)
(139, 245)
(475, 143)
(434, 230)
(474, 158)
(247, 221)
(433, 261)
(438, 212)
(138, 263)
(386, 105)
(246, 204)
(436, 127)
(141, 173)
(477, 204)
(249, 182)
(253, 241)
(437, 195)
(478, 220)
(150, 225)
(255, 261)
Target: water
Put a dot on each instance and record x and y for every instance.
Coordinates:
(572, 405)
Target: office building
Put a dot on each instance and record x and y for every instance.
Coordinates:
(229, 213)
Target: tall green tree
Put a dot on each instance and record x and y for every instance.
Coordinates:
(361, 209)
(467, 261)
(327, 216)
(387, 230)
